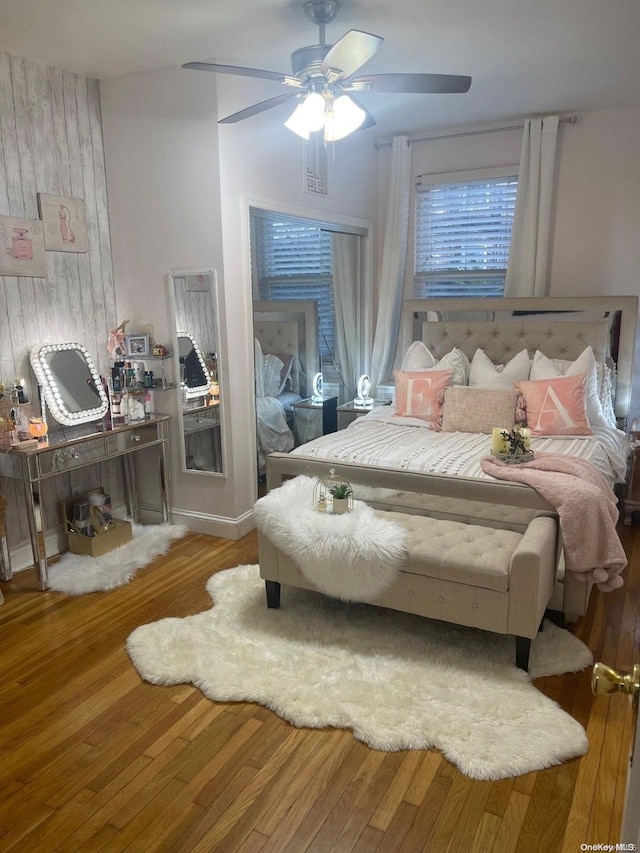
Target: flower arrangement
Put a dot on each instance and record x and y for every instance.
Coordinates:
(512, 445)
(516, 441)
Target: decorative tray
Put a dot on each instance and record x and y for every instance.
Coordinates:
(511, 459)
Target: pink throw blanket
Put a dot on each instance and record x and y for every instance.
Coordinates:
(587, 512)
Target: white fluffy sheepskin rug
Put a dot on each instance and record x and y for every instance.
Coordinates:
(322, 545)
(77, 574)
(397, 680)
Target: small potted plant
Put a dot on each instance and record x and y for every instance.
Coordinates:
(340, 494)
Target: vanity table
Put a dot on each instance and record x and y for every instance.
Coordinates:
(76, 447)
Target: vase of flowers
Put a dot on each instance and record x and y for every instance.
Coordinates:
(516, 444)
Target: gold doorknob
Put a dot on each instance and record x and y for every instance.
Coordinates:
(605, 680)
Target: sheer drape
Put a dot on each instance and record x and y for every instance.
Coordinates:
(527, 273)
(345, 267)
(394, 256)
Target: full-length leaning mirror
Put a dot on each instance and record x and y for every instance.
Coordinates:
(197, 363)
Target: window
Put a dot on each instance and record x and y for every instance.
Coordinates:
(292, 261)
(462, 233)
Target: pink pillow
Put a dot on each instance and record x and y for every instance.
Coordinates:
(419, 393)
(556, 406)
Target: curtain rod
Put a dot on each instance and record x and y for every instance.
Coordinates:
(572, 119)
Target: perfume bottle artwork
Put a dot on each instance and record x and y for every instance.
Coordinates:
(22, 245)
(22, 251)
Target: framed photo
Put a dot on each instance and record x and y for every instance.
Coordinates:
(22, 247)
(137, 344)
(65, 223)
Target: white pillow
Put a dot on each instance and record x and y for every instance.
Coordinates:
(483, 373)
(606, 391)
(419, 357)
(550, 368)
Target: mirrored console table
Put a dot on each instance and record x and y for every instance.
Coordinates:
(77, 447)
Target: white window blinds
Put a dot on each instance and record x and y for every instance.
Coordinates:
(463, 235)
(292, 261)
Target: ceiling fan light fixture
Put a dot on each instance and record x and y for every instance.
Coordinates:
(345, 117)
(307, 116)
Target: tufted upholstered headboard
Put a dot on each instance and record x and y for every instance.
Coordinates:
(561, 327)
(290, 328)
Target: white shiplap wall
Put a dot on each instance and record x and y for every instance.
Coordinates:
(51, 142)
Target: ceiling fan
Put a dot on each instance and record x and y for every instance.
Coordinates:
(323, 82)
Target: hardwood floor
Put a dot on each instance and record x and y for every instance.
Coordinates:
(94, 759)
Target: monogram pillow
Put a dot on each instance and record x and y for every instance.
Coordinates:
(419, 393)
(548, 368)
(556, 406)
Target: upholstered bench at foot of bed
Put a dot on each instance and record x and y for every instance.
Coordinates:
(467, 574)
(570, 598)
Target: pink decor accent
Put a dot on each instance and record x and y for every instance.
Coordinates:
(419, 393)
(556, 406)
(587, 512)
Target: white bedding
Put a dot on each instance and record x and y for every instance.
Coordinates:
(384, 440)
(271, 423)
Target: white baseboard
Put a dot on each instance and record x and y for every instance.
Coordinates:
(22, 555)
(198, 522)
(214, 525)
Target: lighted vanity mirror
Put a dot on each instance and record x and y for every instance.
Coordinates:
(70, 383)
(195, 305)
(194, 374)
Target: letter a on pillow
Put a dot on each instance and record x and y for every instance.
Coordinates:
(556, 406)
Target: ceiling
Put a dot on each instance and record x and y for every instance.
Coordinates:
(526, 57)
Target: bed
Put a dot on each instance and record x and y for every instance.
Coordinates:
(393, 462)
(286, 358)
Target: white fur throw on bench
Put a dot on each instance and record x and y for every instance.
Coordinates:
(355, 556)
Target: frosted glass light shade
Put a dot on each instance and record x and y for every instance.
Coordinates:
(307, 116)
(345, 118)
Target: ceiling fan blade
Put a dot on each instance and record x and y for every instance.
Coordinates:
(259, 108)
(245, 72)
(410, 83)
(350, 52)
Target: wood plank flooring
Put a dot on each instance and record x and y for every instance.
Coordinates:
(93, 759)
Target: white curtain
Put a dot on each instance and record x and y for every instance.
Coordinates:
(394, 255)
(527, 273)
(345, 264)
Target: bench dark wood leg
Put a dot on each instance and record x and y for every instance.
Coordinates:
(273, 594)
(523, 647)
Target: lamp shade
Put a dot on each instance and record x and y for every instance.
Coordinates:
(343, 120)
(307, 116)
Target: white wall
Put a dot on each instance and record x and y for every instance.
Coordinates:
(261, 164)
(595, 247)
(596, 237)
(179, 190)
(180, 187)
(161, 151)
